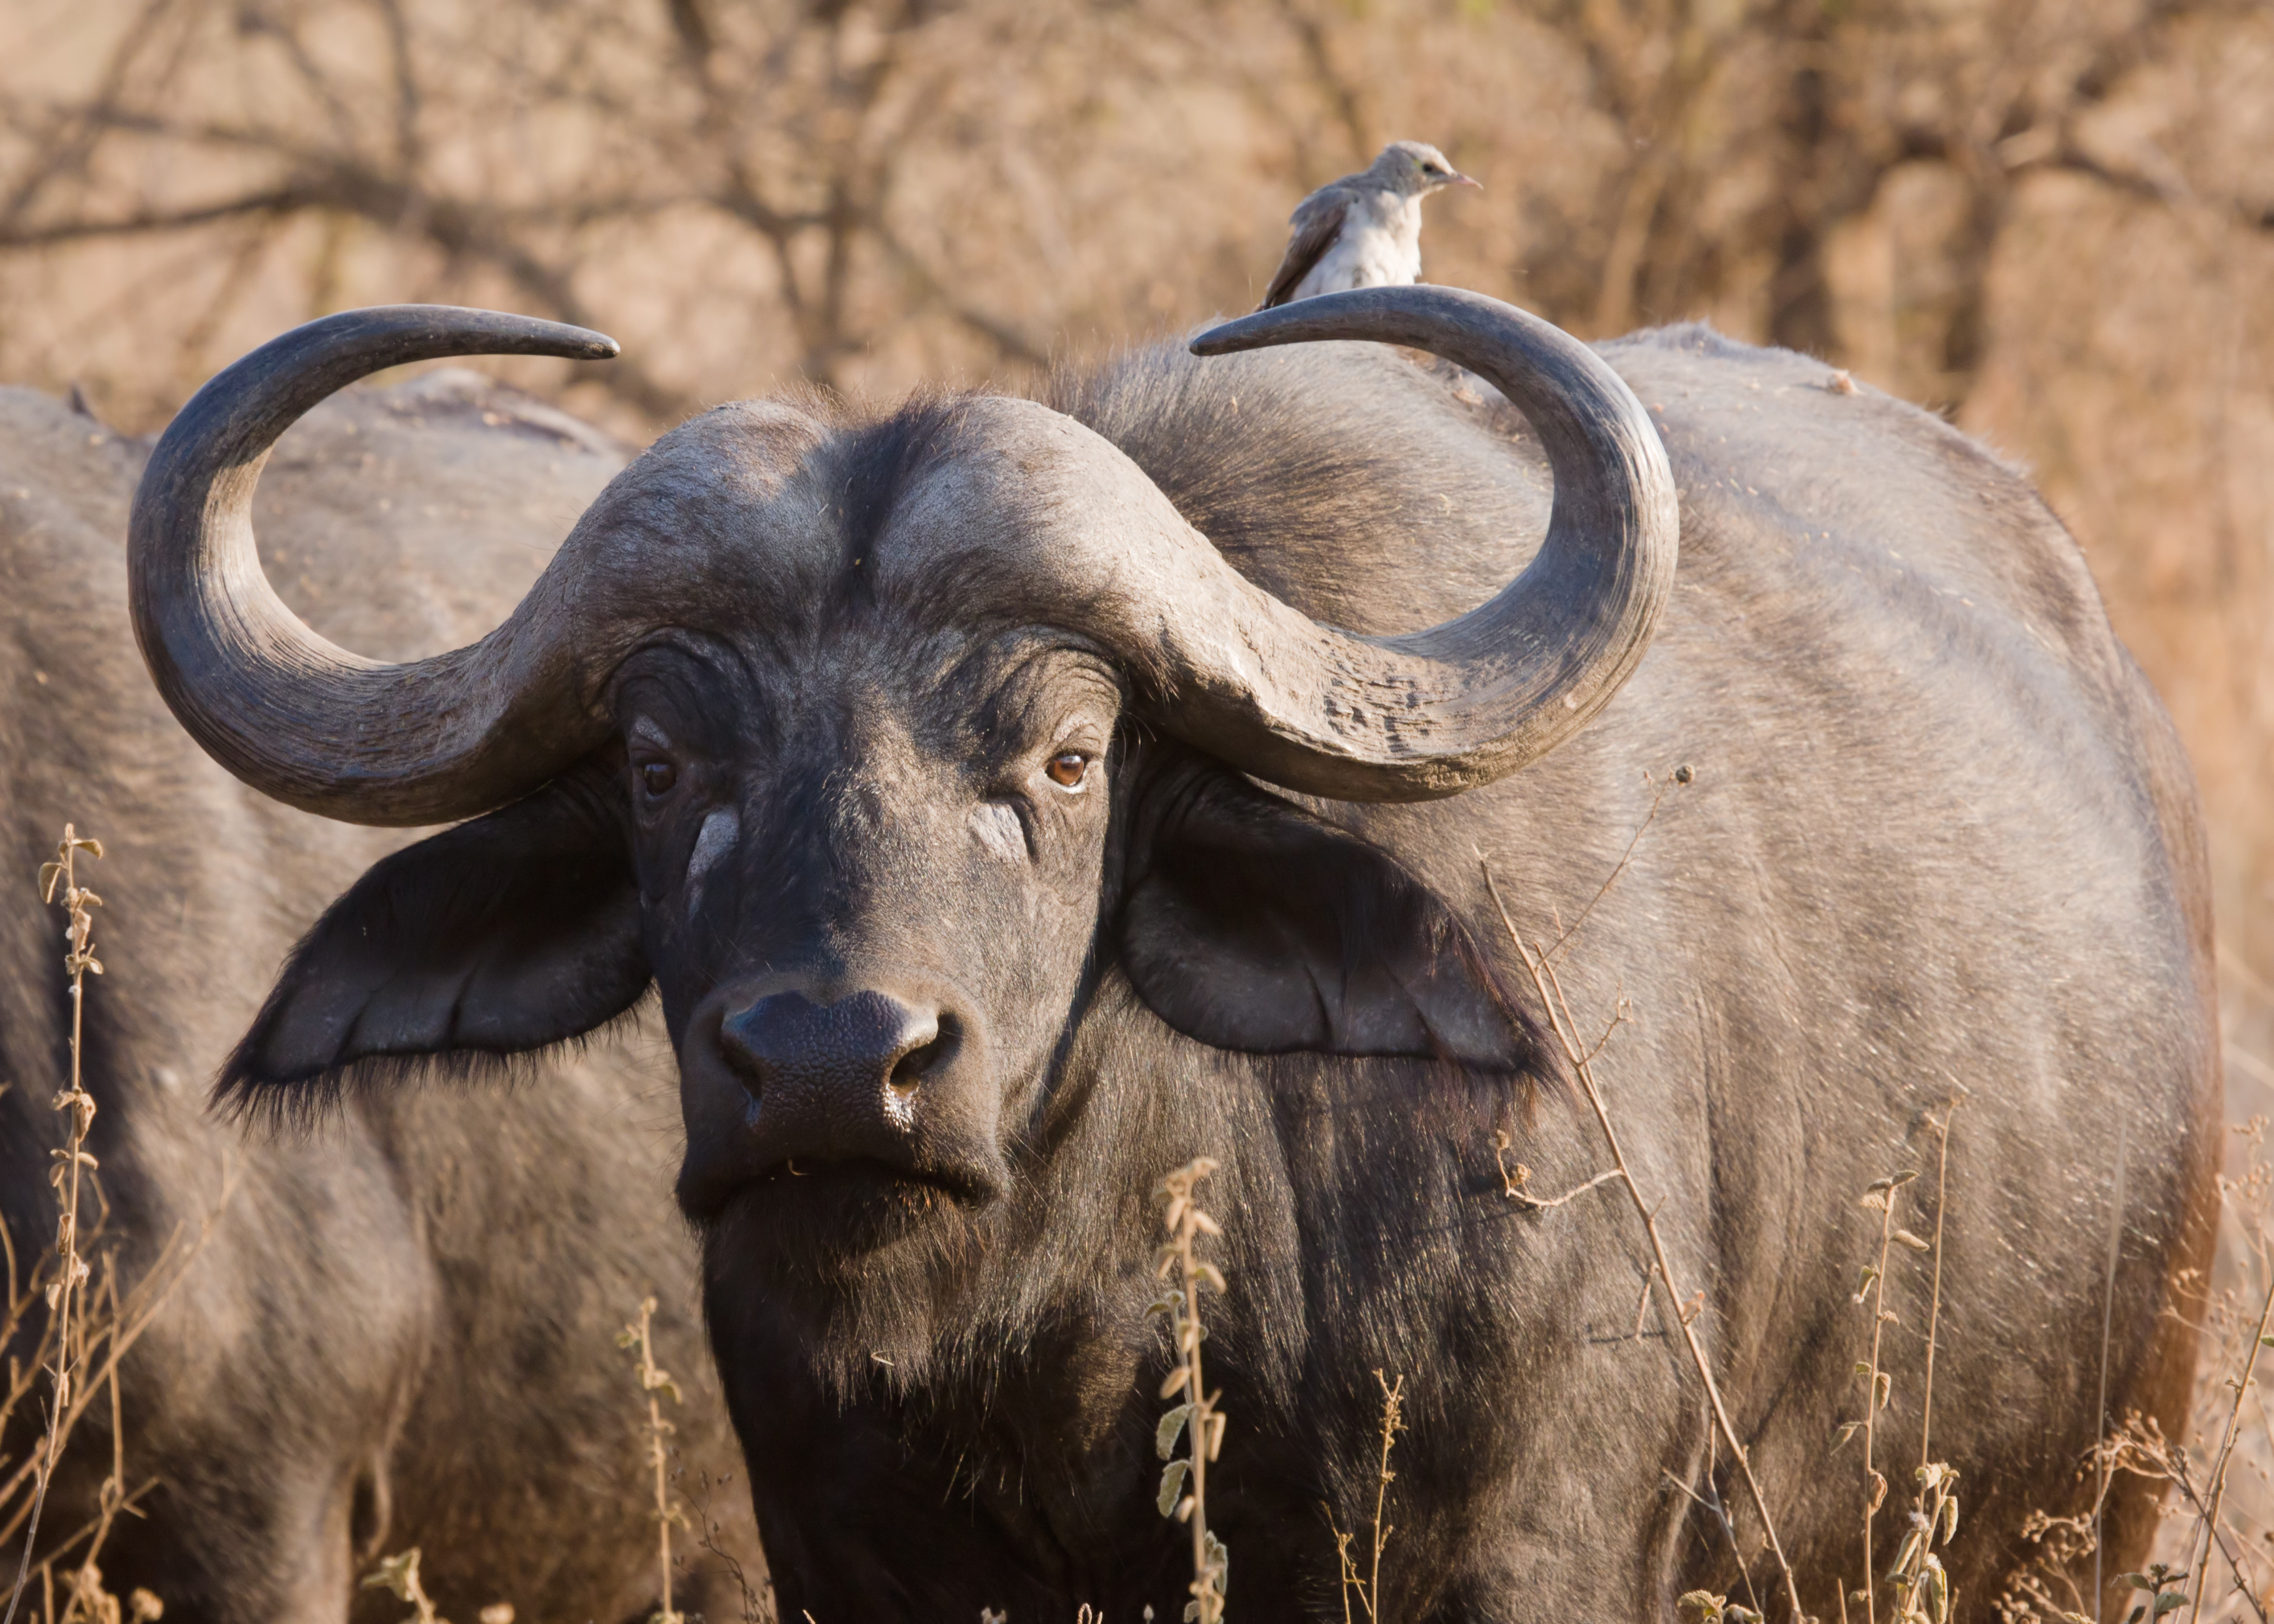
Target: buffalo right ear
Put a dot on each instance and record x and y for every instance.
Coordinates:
(512, 932)
(1249, 924)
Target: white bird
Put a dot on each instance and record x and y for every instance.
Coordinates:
(1364, 230)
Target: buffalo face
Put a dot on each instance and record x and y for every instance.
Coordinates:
(870, 875)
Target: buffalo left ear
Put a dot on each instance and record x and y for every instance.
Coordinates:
(507, 933)
(1249, 924)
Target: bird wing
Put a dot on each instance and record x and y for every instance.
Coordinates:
(1317, 220)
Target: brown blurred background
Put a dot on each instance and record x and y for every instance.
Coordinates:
(2052, 220)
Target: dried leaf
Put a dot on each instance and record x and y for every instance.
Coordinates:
(397, 1574)
(1175, 1384)
(1935, 1584)
(1173, 1484)
(1904, 1237)
(1172, 1424)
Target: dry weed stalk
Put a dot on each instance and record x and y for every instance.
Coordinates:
(1368, 1590)
(2139, 1449)
(2199, 1547)
(88, 1324)
(64, 1287)
(758, 1602)
(1183, 1482)
(1922, 1590)
(653, 1383)
(1879, 1386)
(1539, 961)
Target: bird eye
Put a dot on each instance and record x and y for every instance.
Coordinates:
(1069, 770)
(657, 777)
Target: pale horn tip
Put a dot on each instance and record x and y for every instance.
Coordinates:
(1395, 315)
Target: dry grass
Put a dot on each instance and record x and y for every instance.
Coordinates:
(81, 1320)
(1184, 1481)
(1367, 1586)
(654, 1384)
(2218, 1531)
(399, 1574)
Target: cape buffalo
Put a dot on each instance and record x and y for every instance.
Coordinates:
(401, 1332)
(925, 762)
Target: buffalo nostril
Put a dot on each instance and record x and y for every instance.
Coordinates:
(909, 1070)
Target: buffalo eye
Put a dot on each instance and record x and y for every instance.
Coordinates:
(657, 777)
(1067, 770)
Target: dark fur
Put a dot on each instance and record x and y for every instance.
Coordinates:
(1939, 838)
(402, 1331)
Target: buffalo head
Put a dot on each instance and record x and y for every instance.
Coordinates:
(875, 746)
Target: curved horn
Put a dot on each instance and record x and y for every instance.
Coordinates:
(292, 715)
(1435, 712)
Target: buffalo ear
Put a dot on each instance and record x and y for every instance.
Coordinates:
(505, 934)
(1249, 924)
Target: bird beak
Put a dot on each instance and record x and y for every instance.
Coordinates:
(1460, 179)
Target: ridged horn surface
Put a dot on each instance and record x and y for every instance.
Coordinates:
(291, 714)
(1431, 713)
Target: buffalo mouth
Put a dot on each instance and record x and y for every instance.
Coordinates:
(828, 1237)
(860, 1202)
(872, 1177)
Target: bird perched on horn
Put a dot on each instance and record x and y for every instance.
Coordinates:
(1364, 230)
